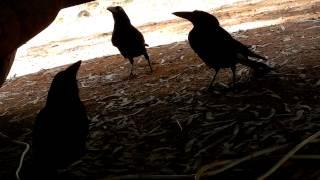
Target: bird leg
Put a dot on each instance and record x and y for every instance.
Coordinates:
(150, 66)
(214, 77)
(131, 71)
(148, 59)
(233, 69)
(5, 66)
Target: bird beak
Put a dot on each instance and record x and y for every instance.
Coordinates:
(185, 15)
(73, 69)
(111, 9)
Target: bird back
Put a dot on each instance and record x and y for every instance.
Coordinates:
(61, 127)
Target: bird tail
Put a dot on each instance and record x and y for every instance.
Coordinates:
(256, 65)
(252, 54)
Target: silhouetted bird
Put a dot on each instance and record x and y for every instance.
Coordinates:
(216, 47)
(126, 37)
(61, 127)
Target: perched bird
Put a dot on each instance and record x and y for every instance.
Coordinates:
(126, 37)
(61, 128)
(216, 47)
(22, 20)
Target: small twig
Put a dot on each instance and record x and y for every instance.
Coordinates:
(210, 166)
(236, 162)
(315, 141)
(311, 20)
(313, 27)
(179, 124)
(306, 156)
(151, 177)
(289, 155)
(27, 147)
(5, 137)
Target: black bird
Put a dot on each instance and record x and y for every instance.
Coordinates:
(126, 37)
(61, 127)
(216, 47)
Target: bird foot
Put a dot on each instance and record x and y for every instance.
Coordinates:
(233, 87)
(132, 76)
(219, 87)
(150, 72)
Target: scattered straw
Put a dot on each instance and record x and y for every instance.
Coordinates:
(151, 177)
(27, 147)
(306, 156)
(210, 166)
(289, 155)
(236, 162)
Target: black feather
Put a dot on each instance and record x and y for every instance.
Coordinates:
(61, 127)
(216, 47)
(128, 39)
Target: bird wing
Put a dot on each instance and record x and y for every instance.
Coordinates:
(42, 130)
(213, 51)
(138, 37)
(201, 42)
(235, 45)
(127, 36)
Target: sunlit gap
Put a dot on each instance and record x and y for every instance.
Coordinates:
(79, 36)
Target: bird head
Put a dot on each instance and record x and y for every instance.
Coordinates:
(198, 17)
(115, 9)
(118, 14)
(69, 3)
(64, 84)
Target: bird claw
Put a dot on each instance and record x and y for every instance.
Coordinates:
(210, 87)
(213, 88)
(132, 76)
(220, 87)
(233, 87)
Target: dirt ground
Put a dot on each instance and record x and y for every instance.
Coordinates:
(168, 123)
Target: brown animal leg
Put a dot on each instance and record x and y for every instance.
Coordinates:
(5, 66)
